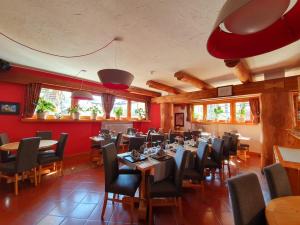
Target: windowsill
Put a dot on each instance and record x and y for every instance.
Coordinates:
(81, 120)
(223, 122)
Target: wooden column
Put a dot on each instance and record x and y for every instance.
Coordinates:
(167, 116)
(277, 115)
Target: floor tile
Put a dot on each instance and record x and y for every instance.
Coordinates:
(51, 220)
(82, 211)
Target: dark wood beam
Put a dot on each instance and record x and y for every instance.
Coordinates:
(163, 87)
(239, 69)
(188, 78)
(286, 84)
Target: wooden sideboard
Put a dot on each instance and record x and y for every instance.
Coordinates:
(289, 158)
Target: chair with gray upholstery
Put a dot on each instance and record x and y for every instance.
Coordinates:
(171, 137)
(171, 187)
(116, 183)
(156, 139)
(118, 141)
(197, 172)
(196, 134)
(104, 131)
(5, 156)
(215, 160)
(135, 143)
(278, 181)
(44, 135)
(226, 152)
(187, 135)
(26, 161)
(247, 200)
(131, 131)
(55, 158)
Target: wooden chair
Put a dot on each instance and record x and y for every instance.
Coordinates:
(168, 191)
(51, 160)
(115, 182)
(26, 161)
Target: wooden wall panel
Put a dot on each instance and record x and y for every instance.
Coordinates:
(167, 116)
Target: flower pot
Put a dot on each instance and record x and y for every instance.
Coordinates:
(41, 115)
(76, 116)
(93, 116)
(242, 119)
(118, 117)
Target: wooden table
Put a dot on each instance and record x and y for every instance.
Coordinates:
(13, 146)
(283, 211)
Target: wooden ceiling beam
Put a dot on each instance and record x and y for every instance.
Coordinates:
(188, 78)
(141, 91)
(281, 84)
(163, 87)
(239, 69)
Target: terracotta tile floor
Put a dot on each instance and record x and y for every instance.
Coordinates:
(76, 198)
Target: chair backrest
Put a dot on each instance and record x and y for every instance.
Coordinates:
(131, 131)
(151, 130)
(179, 166)
(27, 153)
(60, 147)
(247, 200)
(196, 133)
(201, 156)
(4, 154)
(111, 166)
(118, 141)
(172, 137)
(157, 137)
(104, 131)
(44, 135)
(227, 145)
(217, 150)
(135, 143)
(234, 147)
(187, 135)
(107, 139)
(278, 181)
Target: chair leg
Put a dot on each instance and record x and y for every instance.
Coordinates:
(16, 184)
(228, 166)
(23, 176)
(40, 173)
(61, 168)
(113, 199)
(104, 205)
(150, 212)
(132, 210)
(179, 204)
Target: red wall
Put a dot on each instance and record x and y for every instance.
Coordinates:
(79, 133)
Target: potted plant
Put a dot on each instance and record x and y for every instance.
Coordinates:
(94, 111)
(242, 112)
(218, 111)
(141, 113)
(75, 112)
(118, 111)
(43, 107)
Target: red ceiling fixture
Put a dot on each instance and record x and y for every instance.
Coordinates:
(115, 78)
(246, 28)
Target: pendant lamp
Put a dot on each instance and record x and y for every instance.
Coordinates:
(81, 94)
(246, 28)
(115, 78)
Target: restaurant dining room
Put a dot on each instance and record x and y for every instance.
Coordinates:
(150, 112)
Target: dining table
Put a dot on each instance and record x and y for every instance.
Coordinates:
(283, 211)
(13, 146)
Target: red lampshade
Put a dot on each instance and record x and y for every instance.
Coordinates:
(115, 79)
(254, 27)
(82, 95)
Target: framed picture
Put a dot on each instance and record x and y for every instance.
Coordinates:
(179, 119)
(9, 108)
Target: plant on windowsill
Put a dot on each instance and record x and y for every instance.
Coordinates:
(242, 113)
(94, 111)
(141, 113)
(75, 112)
(218, 111)
(43, 107)
(118, 111)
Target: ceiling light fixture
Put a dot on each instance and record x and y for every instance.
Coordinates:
(247, 28)
(81, 94)
(115, 78)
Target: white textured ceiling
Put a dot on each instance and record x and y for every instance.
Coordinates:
(159, 35)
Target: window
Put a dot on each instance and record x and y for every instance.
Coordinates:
(86, 104)
(218, 111)
(242, 111)
(120, 103)
(61, 100)
(138, 106)
(198, 112)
